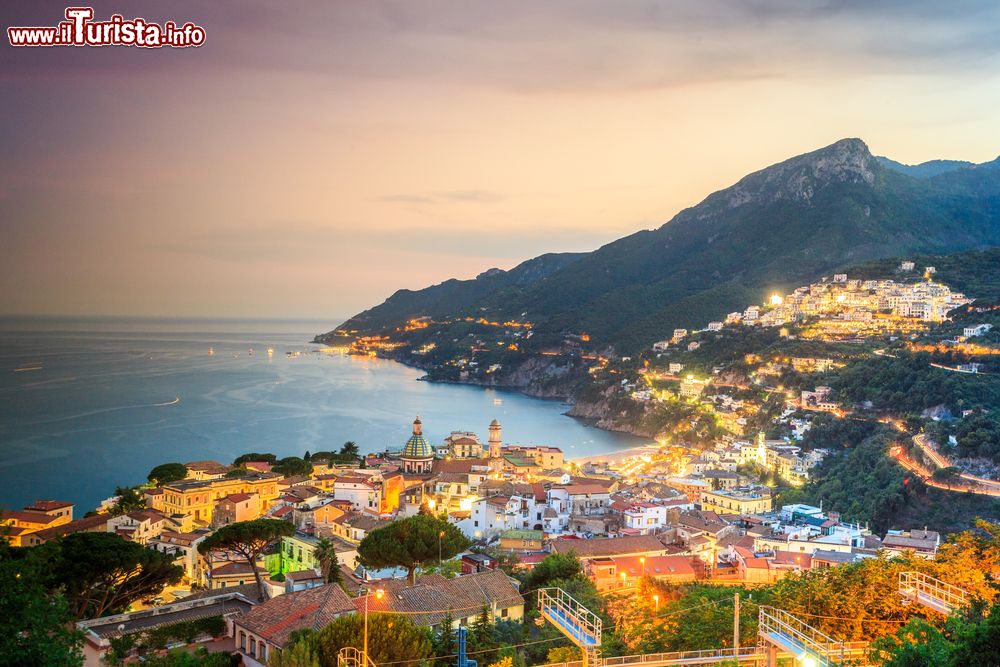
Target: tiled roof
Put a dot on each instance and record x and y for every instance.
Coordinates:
(86, 523)
(48, 505)
(433, 596)
(279, 617)
(609, 546)
(28, 517)
(232, 568)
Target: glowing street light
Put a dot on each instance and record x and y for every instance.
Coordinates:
(656, 603)
(378, 595)
(623, 576)
(642, 561)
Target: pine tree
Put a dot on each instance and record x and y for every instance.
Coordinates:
(446, 641)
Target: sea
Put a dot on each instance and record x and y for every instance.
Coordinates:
(89, 404)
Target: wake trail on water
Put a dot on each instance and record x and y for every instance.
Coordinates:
(90, 413)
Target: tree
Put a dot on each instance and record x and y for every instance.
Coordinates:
(292, 466)
(552, 567)
(563, 654)
(101, 573)
(249, 539)
(391, 638)
(410, 542)
(130, 499)
(326, 553)
(350, 450)
(254, 456)
(36, 626)
(165, 473)
(445, 642)
(295, 654)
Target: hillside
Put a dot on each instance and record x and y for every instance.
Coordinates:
(783, 225)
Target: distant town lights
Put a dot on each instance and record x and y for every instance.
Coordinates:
(776, 299)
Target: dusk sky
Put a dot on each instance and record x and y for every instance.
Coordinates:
(313, 157)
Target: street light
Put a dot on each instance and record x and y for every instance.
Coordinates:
(378, 595)
(656, 603)
(623, 576)
(642, 561)
(440, 537)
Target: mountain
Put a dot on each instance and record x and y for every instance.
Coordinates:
(784, 225)
(924, 169)
(453, 295)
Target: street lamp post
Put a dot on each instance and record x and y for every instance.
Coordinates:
(440, 537)
(656, 603)
(623, 575)
(642, 561)
(378, 595)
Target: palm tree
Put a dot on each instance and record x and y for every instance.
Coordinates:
(325, 552)
(350, 450)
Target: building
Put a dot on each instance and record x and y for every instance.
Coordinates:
(267, 626)
(417, 455)
(624, 572)
(608, 547)
(464, 445)
(521, 540)
(923, 543)
(430, 600)
(91, 524)
(198, 498)
(98, 632)
(202, 470)
(745, 500)
(977, 330)
(184, 548)
(236, 507)
(17, 525)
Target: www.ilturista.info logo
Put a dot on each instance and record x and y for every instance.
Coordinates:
(79, 29)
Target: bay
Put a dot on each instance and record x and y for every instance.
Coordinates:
(89, 404)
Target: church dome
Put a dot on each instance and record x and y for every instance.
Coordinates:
(417, 446)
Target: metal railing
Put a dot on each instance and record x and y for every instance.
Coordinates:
(745, 655)
(353, 657)
(576, 621)
(826, 649)
(932, 593)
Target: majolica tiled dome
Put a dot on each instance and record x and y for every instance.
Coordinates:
(417, 447)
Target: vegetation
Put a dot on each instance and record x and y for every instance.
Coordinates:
(36, 625)
(254, 456)
(970, 638)
(293, 466)
(249, 539)
(130, 499)
(326, 553)
(391, 638)
(165, 473)
(627, 293)
(159, 638)
(101, 573)
(409, 542)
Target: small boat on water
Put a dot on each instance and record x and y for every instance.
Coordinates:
(211, 351)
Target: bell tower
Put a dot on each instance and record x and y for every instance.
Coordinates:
(496, 443)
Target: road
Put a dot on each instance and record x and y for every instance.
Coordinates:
(969, 484)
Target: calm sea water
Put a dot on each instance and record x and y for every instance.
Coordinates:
(86, 405)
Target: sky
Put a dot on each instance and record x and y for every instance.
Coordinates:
(313, 157)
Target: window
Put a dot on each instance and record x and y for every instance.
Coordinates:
(253, 647)
(503, 613)
(263, 651)
(243, 641)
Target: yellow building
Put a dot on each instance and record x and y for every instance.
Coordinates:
(737, 501)
(198, 498)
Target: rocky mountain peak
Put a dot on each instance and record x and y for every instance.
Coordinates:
(798, 178)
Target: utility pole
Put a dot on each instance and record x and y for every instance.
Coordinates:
(736, 625)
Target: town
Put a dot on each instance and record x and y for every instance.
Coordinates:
(642, 522)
